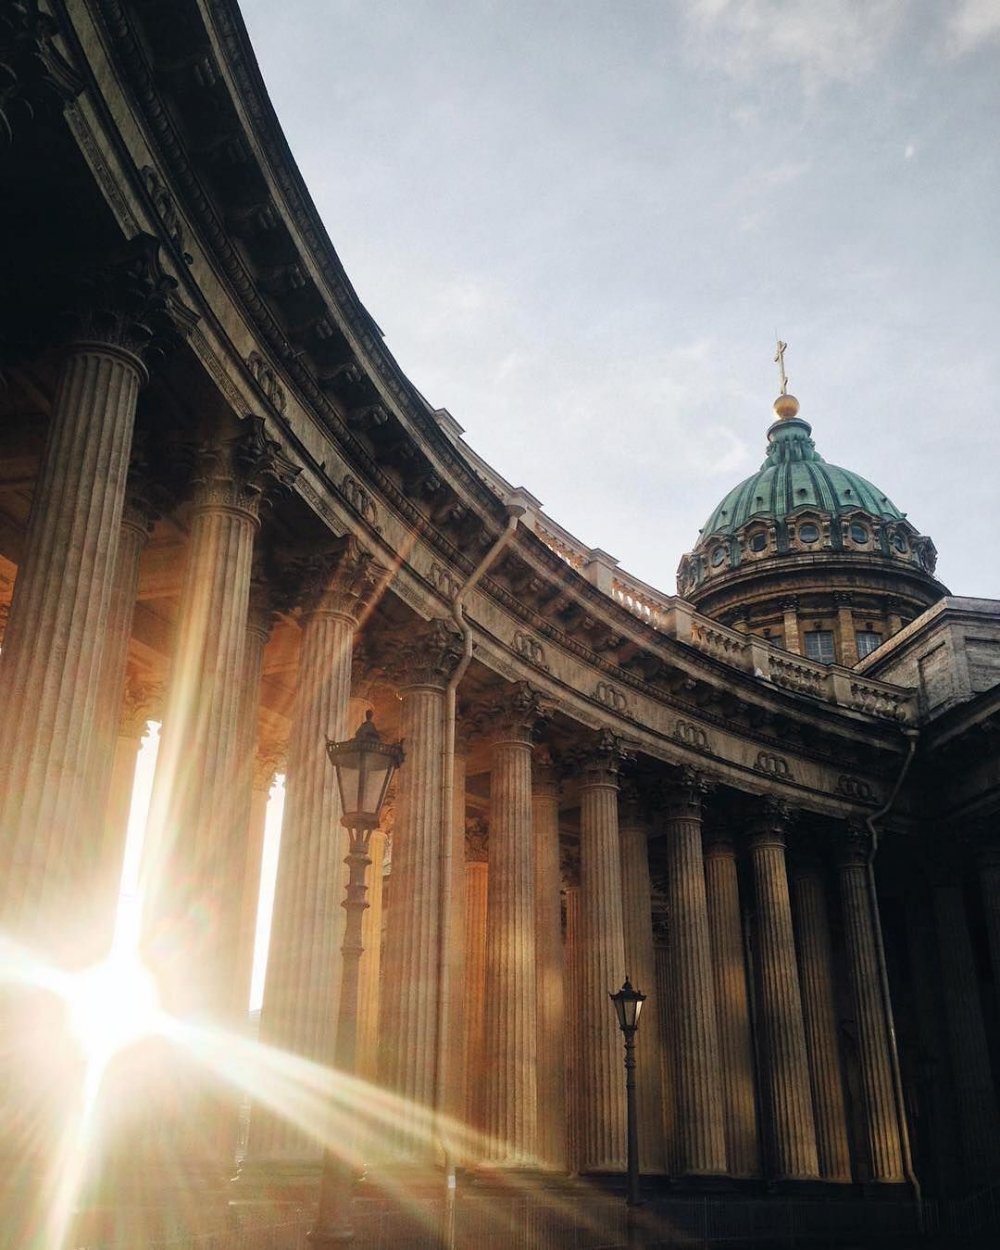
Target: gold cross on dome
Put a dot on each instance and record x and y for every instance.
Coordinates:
(779, 360)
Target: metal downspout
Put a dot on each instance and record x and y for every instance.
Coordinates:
(514, 513)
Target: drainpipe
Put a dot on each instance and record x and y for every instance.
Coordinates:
(897, 1079)
(514, 512)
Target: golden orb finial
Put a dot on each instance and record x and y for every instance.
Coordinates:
(785, 407)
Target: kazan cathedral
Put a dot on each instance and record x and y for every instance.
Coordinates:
(772, 800)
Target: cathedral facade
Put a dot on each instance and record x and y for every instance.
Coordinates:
(771, 799)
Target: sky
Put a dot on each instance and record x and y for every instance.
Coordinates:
(581, 226)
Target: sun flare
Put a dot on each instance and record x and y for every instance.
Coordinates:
(112, 1005)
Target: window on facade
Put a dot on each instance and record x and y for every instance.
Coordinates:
(808, 532)
(758, 542)
(819, 645)
(867, 641)
(859, 533)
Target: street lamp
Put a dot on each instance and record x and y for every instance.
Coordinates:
(628, 1004)
(364, 765)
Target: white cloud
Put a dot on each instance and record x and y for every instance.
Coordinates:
(825, 41)
(972, 23)
(909, 152)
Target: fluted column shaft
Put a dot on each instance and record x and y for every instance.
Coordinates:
(511, 1089)
(371, 963)
(637, 919)
(302, 987)
(885, 1151)
(661, 955)
(249, 833)
(476, 894)
(975, 1096)
(550, 1048)
(107, 770)
(989, 881)
(786, 1061)
(732, 1009)
(700, 1122)
(819, 1011)
(602, 969)
(453, 1092)
(265, 764)
(574, 1031)
(412, 954)
(54, 647)
(186, 861)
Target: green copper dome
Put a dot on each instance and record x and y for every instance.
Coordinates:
(793, 476)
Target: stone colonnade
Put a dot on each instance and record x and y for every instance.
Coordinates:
(741, 1062)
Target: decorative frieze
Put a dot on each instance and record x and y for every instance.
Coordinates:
(692, 735)
(772, 765)
(267, 381)
(361, 501)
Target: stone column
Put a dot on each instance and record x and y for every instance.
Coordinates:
(453, 1092)
(192, 848)
(302, 989)
(637, 918)
(602, 962)
(268, 760)
(847, 652)
(732, 1009)
(885, 1152)
(812, 930)
(574, 1040)
(550, 1047)
(249, 813)
(476, 893)
(664, 999)
(140, 702)
(989, 882)
(695, 1056)
(422, 662)
(54, 642)
(975, 1096)
(511, 1119)
(112, 759)
(790, 610)
(785, 1058)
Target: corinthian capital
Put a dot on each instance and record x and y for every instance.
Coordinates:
(854, 846)
(244, 471)
(600, 760)
(425, 654)
(684, 797)
(126, 301)
(772, 818)
(510, 712)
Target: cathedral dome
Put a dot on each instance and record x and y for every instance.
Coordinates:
(793, 477)
(800, 538)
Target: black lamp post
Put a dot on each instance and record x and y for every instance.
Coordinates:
(364, 765)
(628, 1004)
